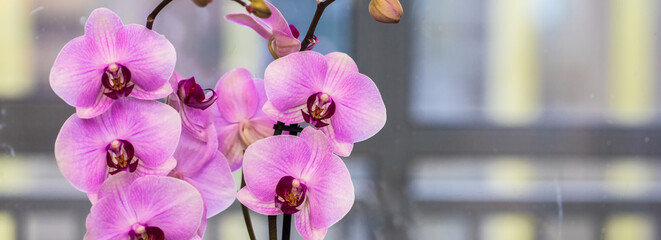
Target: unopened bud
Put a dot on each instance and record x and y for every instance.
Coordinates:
(260, 8)
(386, 11)
(202, 3)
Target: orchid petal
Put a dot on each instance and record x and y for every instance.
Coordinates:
(238, 97)
(339, 67)
(149, 56)
(304, 227)
(284, 44)
(101, 105)
(249, 21)
(360, 112)
(287, 156)
(290, 80)
(289, 116)
(256, 129)
(76, 73)
(329, 185)
(230, 144)
(101, 27)
(340, 148)
(266, 207)
(161, 92)
(278, 22)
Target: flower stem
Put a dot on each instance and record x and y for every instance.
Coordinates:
(152, 15)
(273, 227)
(313, 25)
(240, 2)
(246, 213)
(286, 226)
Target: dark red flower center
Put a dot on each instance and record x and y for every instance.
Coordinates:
(290, 194)
(120, 156)
(116, 81)
(146, 233)
(191, 94)
(320, 107)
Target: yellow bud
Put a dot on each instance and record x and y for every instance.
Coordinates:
(202, 3)
(386, 11)
(260, 8)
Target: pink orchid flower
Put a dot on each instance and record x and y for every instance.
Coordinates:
(283, 37)
(239, 119)
(327, 92)
(149, 207)
(192, 103)
(110, 61)
(300, 176)
(137, 136)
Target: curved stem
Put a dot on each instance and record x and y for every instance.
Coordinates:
(313, 25)
(246, 213)
(152, 15)
(240, 2)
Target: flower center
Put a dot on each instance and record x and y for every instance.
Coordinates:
(120, 156)
(320, 106)
(290, 194)
(139, 232)
(191, 94)
(116, 80)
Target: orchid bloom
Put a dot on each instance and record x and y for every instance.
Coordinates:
(282, 36)
(300, 176)
(136, 136)
(111, 61)
(192, 103)
(239, 118)
(146, 208)
(327, 92)
(207, 170)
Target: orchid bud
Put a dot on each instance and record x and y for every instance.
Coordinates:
(202, 3)
(260, 9)
(386, 11)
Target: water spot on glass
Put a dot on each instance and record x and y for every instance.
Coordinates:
(36, 10)
(82, 20)
(3, 112)
(647, 139)
(7, 150)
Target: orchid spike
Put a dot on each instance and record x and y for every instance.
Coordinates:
(149, 207)
(327, 92)
(281, 35)
(239, 119)
(136, 136)
(300, 176)
(112, 61)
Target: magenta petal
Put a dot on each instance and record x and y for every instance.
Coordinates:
(80, 153)
(339, 66)
(249, 21)
(101, 105)
(256, 129)
(321, 148)
(238, 98)
(269, 159)
(266, 207)
(289, 116)
(230, 144)
(303, 226)
(152, 127)
(360, 112)
(162, 92)
(340, 148)
(101, 27)
(149, 56)
(283, 44)
(329, 185)
(76, 73)
(278, 22)
(290, 80)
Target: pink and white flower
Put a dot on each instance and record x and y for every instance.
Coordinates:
(300, 176)
(327, 92)
(111, 61)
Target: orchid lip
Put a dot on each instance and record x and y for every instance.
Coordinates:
(192, 95)
(140, 232)
(116, 81)
(120, 156)
(320, 107)
(290, 194)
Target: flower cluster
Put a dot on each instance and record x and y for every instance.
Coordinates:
(156, 170)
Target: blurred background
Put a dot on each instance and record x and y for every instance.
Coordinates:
(508, 119)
